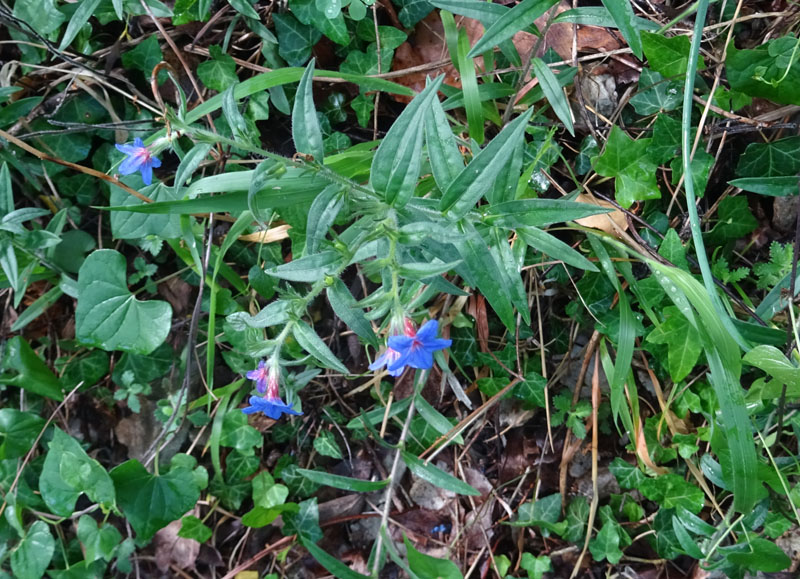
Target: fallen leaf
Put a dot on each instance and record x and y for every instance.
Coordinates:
(613, 223)
(270, 235)
(174, 550)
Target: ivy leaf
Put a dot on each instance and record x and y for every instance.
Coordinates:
(109, 316)
(764, 72)
(535, 566)
(776, 159)
(735, 221)
(305, 522)
(668, 56)
(426, 566)
(218, 73)
(670, 491)
(144, 56)
(194, 528)
(682, 340)
(295, 39)
(629, 163)
(656, 95)
(606, 545)
(326, 445)
(628, 476)
(18, 430)
(238, 434)
(98, 543)
(150, 502)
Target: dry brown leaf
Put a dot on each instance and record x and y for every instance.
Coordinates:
(174, 550)
(270, 235)
(613, 223)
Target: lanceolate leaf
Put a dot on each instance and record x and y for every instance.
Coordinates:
(554, 93)
(344, 304)
(313, 344)
(397, 162)
(477, 178)
(554, 247)
(622, 13)
(342, 482)
(519, 17)
(446, 161)
(306, 131)
(321, 216)
(437, 476)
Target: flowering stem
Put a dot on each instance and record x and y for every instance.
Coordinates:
(419, 381)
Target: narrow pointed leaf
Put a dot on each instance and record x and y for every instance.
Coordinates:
(437, 476)
(306, 131)
(519, 17)
(313, 344)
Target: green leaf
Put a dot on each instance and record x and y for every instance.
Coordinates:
(538, 212)
(238, 434)
(31, 558)
(554, 93)
(79, 18)
(553, 247)
(306, 131)
(629, 163)
(772, 186)
(342, 482)
(543, 512)
(109, 316)
(622, 13)
(18, 431)
(150, 502)
(577, 518)
(668, 56)
(477, 178)
(485, 271)
(33, 374)
(321, 215)
(130, 225)
(218, 73)
(313, 344)
(435, 418)
(309, 268)
(772, 361)
(427, 566)
(656, 95)
(437, 476)
(535, 566)
(194, 528)
(67, 472)
(445, 159)
(344, 305)
(144, 56)
(682, 340)
(670, 491)
(773, 159)
(397, 162)
(628, 476)
(511, 22)
(98, 543)
(735, 220)
(41, 15)
(764, 72)
(606, 545)
(295, 39)
(326, 445)
(305, 522)
(330, 562)
(761, 555)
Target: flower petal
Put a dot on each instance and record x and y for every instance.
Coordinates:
(400, 343)
(130, 165)
(127, 149)
(155, 162)
(428, 331)
(137, 142)
(147, 173)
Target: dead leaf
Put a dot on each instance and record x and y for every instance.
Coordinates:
(270, 235)
(613, 223)
(174, 550)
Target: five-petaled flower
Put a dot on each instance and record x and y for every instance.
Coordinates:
(139, 159)
(417, 350)
(388, 357)
(266, 378)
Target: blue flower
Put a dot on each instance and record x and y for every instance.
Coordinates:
(272, 407)
(387, 359)
(417, 350)
(139, 159)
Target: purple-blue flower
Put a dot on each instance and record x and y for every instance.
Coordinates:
(272, 407)
(417, 350)
(266, 377)
(139, 159)
(387, 359)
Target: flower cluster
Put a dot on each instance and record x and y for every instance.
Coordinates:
(139, 158)
(411, 348)
(270, 404)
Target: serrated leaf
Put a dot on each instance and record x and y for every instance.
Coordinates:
(109, 316)
(306, 131)
(313, 344)
(437, 476)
